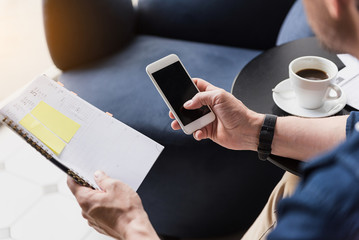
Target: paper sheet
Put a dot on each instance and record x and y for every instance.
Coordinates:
(101, 143)
(348, 79)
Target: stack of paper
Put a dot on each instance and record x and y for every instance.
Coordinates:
(348, 79)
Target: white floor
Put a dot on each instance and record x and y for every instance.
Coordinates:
(35, 202)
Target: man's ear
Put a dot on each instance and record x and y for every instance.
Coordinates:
(337, 7)
(333, 7)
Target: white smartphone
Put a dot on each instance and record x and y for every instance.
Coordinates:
(176, 87)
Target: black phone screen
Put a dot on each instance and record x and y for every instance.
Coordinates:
(178, 88)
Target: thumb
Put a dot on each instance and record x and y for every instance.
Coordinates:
(201, 99)
(100, 178)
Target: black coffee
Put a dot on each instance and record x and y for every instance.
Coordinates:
(312, 74)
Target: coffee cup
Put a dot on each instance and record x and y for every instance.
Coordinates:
(311, 79)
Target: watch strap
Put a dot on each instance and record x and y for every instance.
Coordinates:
(266, 137)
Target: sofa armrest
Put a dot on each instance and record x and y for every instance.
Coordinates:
(80, 31)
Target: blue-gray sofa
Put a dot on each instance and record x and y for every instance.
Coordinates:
(195, 189)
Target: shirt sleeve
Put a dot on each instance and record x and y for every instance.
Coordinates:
(325, 203)
(351, 121)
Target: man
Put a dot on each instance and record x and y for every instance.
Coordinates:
(324, 205)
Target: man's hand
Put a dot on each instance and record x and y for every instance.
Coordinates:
(236, 127)
(116, 211)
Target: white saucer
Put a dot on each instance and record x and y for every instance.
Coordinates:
(284, 97)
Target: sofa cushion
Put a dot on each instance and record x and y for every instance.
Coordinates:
(247, 24)
(119, 84)
(195, 189)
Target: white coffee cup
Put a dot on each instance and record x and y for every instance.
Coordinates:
(312, 94)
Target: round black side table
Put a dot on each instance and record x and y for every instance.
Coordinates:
(254, 84)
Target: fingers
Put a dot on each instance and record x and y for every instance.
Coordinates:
(200, 134)
(206, 96)
(72, 185)
(82, 194)
(102, 180)
(203, 85)
(201, 99)
(175, 125)
(171, 115)
(194, 103)
(75, 187)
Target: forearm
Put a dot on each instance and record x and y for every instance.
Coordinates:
(238, 127)
(301, 138)
(138, 228)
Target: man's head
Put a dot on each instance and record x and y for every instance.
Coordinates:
(336, 23)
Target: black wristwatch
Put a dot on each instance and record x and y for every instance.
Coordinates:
(266, 137)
